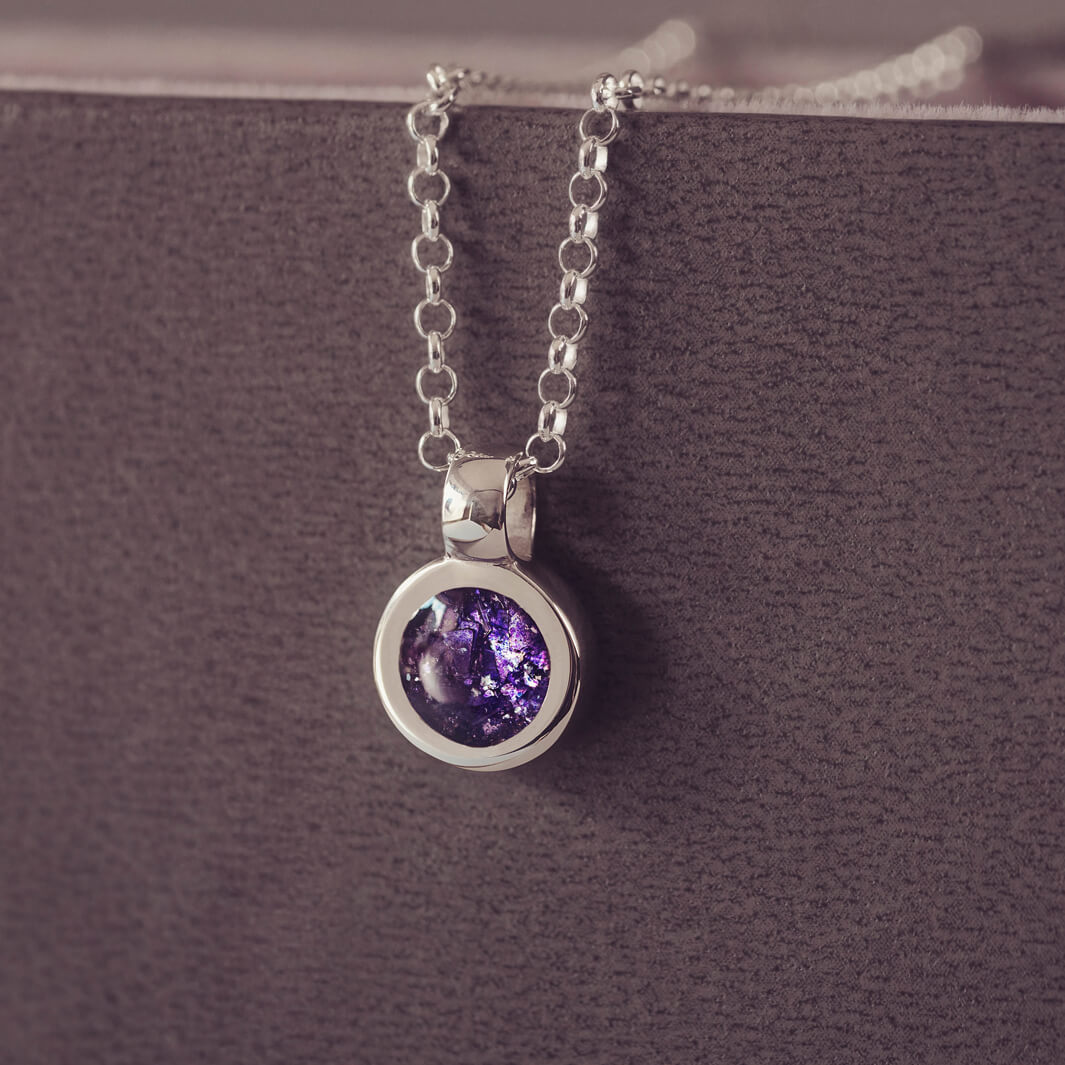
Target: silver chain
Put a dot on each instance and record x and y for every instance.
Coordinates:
(934, 66)
(432, 113)
(567, 321)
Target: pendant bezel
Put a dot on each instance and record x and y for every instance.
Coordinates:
(559, 624)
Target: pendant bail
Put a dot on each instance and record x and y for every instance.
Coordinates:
(489, 509)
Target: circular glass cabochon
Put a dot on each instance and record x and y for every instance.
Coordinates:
(474, 666)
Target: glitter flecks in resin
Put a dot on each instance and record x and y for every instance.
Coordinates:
(474, 666)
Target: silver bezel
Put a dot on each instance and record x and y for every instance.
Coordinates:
(558, 630)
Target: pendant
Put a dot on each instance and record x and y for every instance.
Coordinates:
(480, 656)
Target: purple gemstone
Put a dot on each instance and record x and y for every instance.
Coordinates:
(474, 666)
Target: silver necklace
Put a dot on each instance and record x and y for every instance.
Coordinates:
(480, 656)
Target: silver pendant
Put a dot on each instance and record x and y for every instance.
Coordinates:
(480, 656)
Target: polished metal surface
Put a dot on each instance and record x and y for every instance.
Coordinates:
(562, 629)
(488, 520)
(489, 510)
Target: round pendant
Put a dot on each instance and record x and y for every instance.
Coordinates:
(479, 656)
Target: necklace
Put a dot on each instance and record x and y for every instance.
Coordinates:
(481, 656)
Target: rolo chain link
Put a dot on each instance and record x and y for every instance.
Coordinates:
(578, 256)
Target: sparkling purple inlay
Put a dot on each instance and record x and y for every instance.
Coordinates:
(474, 666)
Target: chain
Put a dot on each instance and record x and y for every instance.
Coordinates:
(933, 67)
(436, 382)
(578, 258)
(429, 187)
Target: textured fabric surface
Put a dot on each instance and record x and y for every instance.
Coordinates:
(815, 505)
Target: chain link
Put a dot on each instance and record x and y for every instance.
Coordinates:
(932, 67)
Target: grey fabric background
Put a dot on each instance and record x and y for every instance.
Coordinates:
(816, 506)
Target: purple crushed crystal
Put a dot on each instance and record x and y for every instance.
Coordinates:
(474, 666)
